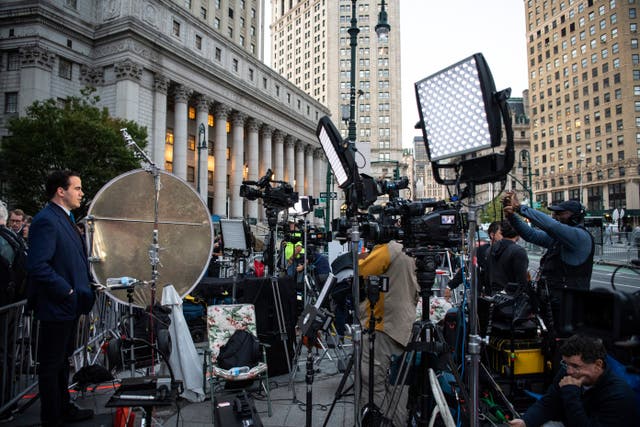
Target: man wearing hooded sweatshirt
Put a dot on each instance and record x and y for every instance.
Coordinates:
(508, 262)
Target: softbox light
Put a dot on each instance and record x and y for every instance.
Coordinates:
(341, 159)
(457, 110)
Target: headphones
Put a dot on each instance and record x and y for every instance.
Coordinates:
(578, 217)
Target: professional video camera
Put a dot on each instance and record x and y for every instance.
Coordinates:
(422, 223)
(281, 196)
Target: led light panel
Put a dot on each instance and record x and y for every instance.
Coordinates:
(340, 157)
(332, 157)
(452, 107)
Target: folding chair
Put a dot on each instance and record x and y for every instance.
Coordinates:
(222, 322)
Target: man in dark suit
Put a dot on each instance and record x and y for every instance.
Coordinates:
(59, 292)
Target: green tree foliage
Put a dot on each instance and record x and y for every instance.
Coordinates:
(492, 211)
(78, 136)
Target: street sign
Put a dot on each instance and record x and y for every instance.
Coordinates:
(332, 195)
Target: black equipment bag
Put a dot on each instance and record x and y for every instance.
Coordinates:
(242, 349)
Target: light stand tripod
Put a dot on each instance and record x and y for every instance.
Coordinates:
(371, 414)
(272, 221)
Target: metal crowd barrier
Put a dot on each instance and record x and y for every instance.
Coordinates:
(19, 340)
(18, 350)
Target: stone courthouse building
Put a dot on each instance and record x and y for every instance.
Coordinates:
(188, 70)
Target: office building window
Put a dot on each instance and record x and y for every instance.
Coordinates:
(13, 61)
(11, 102)
(64, 69)
(176, 28)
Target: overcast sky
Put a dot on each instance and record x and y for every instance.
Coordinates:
(439, 33)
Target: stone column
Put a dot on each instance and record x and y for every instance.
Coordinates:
(299, 169)
(158, 137)
(202, 118)
(265, 161)
(309, 172)
(220, 111)
(265, 150)
(237, 163)
(128, 75)
(181, 94)
(278, 155)
(36, 64)
(253, 148)
(289, 159)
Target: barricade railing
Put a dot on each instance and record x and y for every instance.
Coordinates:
(18, 354)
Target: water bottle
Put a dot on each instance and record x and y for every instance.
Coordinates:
(239, 370)
(120, 281)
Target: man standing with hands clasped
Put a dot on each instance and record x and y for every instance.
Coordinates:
(59, 292)
(584, 393)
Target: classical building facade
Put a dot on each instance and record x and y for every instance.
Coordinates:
(584, 84)
(311, 47)
(164, 65)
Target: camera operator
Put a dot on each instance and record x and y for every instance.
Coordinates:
(396, 312)
(508, 262)
(319, 264)
(585, 392)
(568, 261)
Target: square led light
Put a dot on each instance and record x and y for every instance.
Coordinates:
(457, 111)
(340, 159)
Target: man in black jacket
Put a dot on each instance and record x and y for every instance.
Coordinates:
(508, 262)
(585, 392)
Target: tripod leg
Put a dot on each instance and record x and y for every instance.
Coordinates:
(339, 390)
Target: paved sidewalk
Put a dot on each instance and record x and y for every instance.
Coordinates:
(287, 412)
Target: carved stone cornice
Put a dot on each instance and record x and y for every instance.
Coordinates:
(238, 118)
(181, 93)
(221, 111)
(161, 83)
(127, 70)
(253, 125)
(267, 131)
(36, 56)
(91, 76)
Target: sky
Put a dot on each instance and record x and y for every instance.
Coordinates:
(437, 33)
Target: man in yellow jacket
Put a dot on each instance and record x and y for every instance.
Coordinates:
(395, 313)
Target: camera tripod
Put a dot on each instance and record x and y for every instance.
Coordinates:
(273, 271)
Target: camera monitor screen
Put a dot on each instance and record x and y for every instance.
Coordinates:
(447, 219)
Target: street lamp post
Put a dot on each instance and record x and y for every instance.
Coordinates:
(525, 156)
(580, 160)
(201, 146)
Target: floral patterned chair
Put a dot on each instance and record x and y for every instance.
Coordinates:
(222, 322)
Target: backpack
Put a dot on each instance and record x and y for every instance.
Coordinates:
(242, 349)
(13, 267)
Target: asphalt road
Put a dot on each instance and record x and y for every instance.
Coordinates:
(625, 280)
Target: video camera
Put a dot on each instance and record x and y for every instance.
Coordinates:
(280, 197)
(422, 223)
